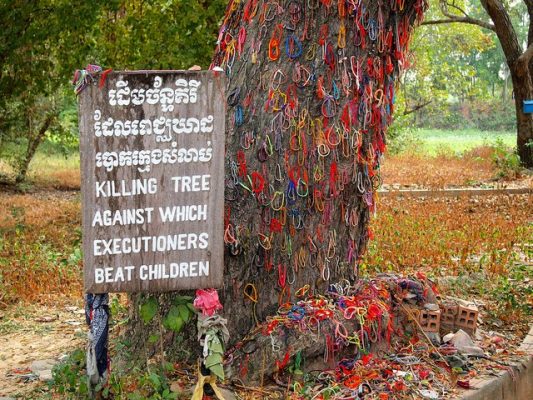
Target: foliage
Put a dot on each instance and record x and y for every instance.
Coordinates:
(447, 235)
(148, 309)
(41, 44)
(509, 26)
(424, 143)
(170, 34)
(401, 137)
(512, 298)
(70, 382)
(69, 377)
(177, 316)
(55, 165)
(441, 72)
(461, 70)
(509, 297)
(39, 248)
(481, 114)
(45, 41)
(506, 162)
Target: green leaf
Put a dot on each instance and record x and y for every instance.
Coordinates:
(184, 312)
(169, 395)
(218, 370)
(155, 380)
(216, 347)
(168, 367)
(153, 339)
(182, 300)
(148, 310)
(213, 359)
(173, 320)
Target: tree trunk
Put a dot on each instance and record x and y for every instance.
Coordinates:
(310, 96)
(33, 143)
(311, 144)
(524, 122)
(519, 66)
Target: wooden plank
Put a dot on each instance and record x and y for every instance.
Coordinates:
(152, 165)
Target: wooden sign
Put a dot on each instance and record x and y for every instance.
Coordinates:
(152, 163)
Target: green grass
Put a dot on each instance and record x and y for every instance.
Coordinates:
(49, 159)
(436, 141)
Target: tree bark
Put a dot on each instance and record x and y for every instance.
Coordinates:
(33, 143)
(523, 90)
(308, 240)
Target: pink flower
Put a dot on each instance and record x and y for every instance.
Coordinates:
(207, 301)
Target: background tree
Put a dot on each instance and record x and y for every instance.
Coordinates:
(43, 42)
(442, 70)
(175, 34)
(498, 18)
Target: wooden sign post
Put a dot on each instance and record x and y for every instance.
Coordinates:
(152, 162)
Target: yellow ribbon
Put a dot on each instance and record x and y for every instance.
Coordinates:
(198, 393)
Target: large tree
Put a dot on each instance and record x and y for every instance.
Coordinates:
(310, 95)
(519, 61)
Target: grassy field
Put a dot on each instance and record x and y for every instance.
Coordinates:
(52, 166)
(50, 158)
(435, 141)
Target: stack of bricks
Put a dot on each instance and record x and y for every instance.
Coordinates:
(450, 316)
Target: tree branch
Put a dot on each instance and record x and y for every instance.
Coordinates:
(417, 107)
(458, 9)
(411, 110)
(452, 18)
(504, 29)
(522, 63)
(464, 20)
(526, 55)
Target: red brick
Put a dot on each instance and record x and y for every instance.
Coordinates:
(466, 318)
(430, 320)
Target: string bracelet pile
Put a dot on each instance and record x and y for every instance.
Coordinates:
(354, 341)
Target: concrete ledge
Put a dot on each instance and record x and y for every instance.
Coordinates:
(517, 385)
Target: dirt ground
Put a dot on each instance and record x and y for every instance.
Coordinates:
(34, 333)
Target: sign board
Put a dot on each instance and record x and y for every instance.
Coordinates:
(152, 164)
